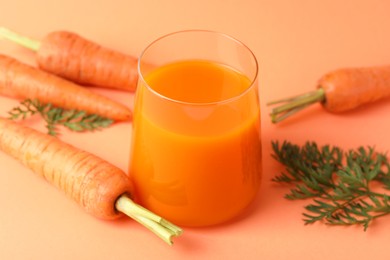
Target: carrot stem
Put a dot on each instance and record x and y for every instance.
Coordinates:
(294, 104)
(161, 227)
(29, 43)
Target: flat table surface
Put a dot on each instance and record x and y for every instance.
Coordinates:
(296, 42)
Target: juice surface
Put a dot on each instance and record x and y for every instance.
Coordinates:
(197, 81)
(196, 164)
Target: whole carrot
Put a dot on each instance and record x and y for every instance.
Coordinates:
(22, 81)
(102, 189)
(78, 59)
(340, 90)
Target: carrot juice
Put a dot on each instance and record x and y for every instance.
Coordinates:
(196, 150)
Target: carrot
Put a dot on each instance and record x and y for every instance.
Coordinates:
(339, 91)
(73, 57)
(102, 189)
(22, 81)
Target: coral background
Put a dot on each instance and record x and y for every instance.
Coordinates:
(296, 42)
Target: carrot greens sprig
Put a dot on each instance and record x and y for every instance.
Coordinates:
(340, 184)
(74, 120)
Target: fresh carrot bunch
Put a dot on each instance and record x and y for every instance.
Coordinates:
(65, 60)
(100, 188)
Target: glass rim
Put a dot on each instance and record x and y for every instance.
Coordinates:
(226, 100)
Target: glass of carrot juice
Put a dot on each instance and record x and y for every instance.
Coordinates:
(196, 148)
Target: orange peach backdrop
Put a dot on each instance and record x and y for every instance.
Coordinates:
(295, 42)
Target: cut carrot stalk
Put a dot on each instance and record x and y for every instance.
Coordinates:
(102, 189)
(86, 62)
(338, 91)
(24, 41)
(294, 104)
(164, 229)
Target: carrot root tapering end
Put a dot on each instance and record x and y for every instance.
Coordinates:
(290, 106)
(27, 42)
(161, 227)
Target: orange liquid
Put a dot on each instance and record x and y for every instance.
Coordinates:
(196, 164)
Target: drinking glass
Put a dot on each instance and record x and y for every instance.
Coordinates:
(196, 149)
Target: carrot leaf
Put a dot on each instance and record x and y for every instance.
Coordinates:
(27, 108)
(345, 188)
(75, 120)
